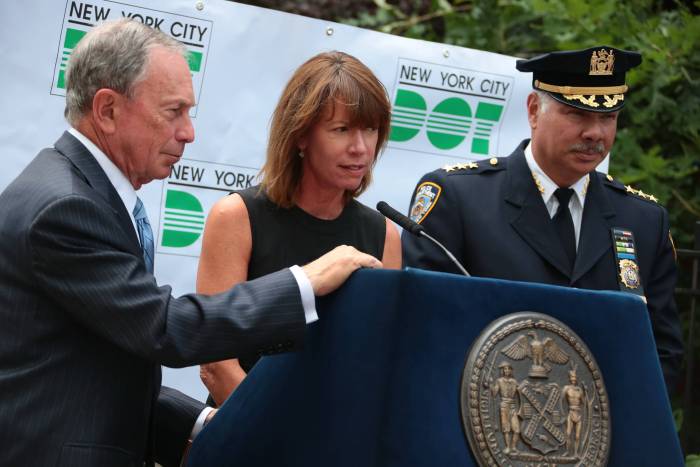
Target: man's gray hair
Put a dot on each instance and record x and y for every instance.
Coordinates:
(544, 99)
(112, 55)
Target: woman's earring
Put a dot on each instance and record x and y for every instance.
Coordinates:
(301, 154)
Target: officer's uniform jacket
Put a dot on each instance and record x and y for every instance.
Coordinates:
(491, 216)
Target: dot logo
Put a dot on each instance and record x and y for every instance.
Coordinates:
(183, 220)
(187, 196)
(439, 110)
(449, 123)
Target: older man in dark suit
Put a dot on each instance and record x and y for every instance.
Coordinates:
(85, 327)
(544, 214)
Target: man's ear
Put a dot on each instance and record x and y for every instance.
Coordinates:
(533, 108)
(106, 107)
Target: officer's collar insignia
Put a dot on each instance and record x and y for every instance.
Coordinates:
(585, 185)
(602, 62)
(540, 186)
(424, 201)
(626, 262)
(533, 394)
(538, 183)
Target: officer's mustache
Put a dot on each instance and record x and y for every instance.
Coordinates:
(588, 148)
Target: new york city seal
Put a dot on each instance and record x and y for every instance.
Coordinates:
(532, 394)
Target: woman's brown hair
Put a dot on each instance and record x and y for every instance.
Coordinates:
(329, 78)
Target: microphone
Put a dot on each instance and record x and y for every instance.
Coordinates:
(394, 215)
(415, 229)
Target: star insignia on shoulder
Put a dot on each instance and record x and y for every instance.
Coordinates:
(641, 194)
(460, 166)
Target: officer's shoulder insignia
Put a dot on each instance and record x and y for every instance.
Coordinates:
(424, 201)
(460, 167)
(628, 189)
(475, 167)
(641, 194)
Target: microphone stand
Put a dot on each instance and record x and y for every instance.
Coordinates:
(447, 252)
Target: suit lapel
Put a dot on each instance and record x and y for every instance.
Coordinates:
(529, 216)
(85, 162)
(595, 237)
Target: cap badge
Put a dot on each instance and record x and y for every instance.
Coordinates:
(602, 62)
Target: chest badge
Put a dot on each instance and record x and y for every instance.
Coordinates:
(626, 261)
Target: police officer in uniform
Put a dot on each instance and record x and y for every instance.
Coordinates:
(544, 214)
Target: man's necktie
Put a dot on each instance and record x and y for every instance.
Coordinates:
(564, 224)
(145, 234)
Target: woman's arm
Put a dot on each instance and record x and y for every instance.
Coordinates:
(226, 249)
(391, 258)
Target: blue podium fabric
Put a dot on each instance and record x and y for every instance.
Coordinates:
(378, 381)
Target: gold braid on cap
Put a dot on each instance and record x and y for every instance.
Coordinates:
(596, 91)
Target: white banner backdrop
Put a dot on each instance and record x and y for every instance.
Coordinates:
(450, 104)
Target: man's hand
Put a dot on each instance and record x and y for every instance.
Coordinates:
(332, 269)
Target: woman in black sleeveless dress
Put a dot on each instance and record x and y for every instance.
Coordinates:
(327, 131)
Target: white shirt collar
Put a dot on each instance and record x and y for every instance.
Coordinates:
(547, 186)
(116, 177)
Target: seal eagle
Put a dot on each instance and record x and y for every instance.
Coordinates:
(536, 349)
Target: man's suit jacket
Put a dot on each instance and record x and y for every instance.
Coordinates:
(493, 219)
(85, 327)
